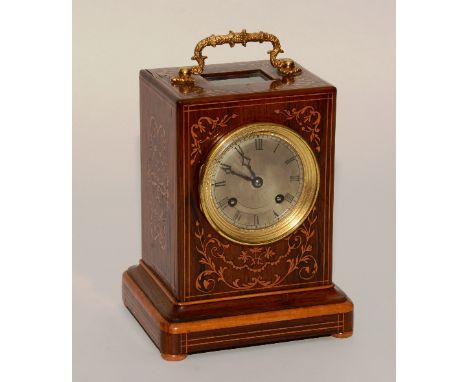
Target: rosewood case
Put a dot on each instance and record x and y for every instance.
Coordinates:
(193, 289)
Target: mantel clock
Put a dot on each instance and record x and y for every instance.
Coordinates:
(237, 205)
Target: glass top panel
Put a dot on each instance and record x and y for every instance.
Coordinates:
(239, 78)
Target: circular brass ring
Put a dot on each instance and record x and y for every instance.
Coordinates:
(298, 213)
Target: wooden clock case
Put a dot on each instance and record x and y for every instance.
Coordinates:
(193, 289)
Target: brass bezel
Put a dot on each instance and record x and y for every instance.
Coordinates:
(291, 221)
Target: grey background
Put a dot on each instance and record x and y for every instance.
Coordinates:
(348, 43)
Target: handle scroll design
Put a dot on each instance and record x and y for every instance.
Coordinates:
(285, 66)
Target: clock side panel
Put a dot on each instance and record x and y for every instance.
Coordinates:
(158, 183)
(212, 266)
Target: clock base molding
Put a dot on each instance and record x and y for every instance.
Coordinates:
(181, 328)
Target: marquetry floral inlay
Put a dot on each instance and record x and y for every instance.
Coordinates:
(308, 118)
(158, 179)
(203, 130)
(255, 267)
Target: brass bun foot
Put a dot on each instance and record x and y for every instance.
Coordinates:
(173, 357)
(343, 335)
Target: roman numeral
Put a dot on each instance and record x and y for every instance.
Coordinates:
(276, 148)
(294, 178)
(258, 144)
(275, 213)
(223, 203)
(256, 220)
(220, 184)
(289, 197)
(237, 216)
(290, 160)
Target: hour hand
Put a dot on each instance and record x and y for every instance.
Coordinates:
(228, 170)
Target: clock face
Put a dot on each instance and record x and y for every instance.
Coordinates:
(259, 183)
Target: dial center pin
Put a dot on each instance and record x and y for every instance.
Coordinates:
(257, 182)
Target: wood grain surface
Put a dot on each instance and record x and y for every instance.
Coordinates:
(189, 273)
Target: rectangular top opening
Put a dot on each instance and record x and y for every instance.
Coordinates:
(237, 78)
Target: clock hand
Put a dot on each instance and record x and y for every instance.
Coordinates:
(256, 181)
(252, 173)
(242, 176)
(228, 170)
(245, 161)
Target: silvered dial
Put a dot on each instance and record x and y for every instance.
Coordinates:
(257, 180)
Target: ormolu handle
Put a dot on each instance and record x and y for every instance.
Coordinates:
(285, 66)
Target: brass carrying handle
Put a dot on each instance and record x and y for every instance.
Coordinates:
(285, 66)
